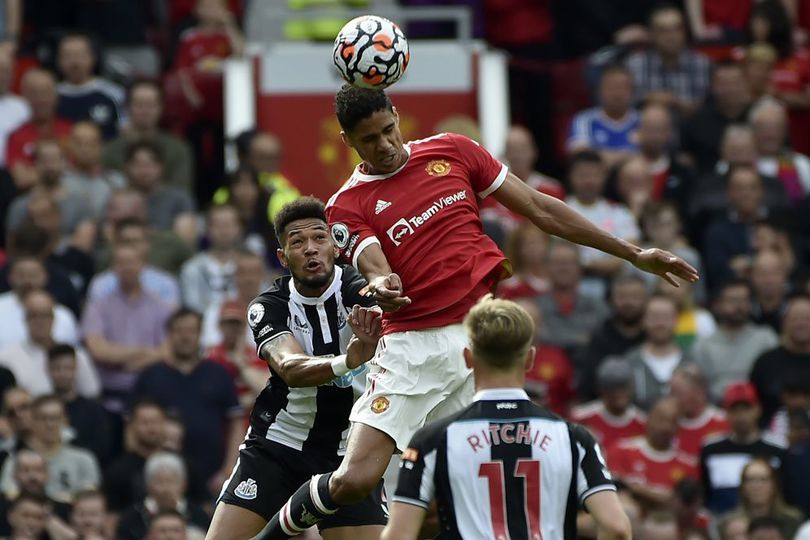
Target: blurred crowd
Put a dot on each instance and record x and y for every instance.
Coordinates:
(128, 256)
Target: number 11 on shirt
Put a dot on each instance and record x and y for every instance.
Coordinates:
(529, 470)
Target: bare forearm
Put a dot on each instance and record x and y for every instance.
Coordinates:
(109, 353)
(301, 370)
(372, 263)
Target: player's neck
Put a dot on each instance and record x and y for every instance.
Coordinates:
(492, 380)
(310, 291)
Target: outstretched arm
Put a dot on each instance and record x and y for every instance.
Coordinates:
(555, 217)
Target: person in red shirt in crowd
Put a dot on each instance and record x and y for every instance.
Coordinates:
(248, 371)
(200, 53)
(526, 248)
(698, 419)
(651, 465)
(520, 154)
(550, 381)
(38, 87)
(713, 20)
(613, 416)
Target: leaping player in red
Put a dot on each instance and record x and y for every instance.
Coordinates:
(408, 220)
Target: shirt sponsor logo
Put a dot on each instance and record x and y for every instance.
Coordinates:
(300, 325)
(340, 234)
(506, 405)
(404, 227)
(247, 489)
(265, 330)
(381, 205)
(255, 314)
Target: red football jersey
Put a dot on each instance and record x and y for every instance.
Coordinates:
(22, 141)
(553, 374)
(196, 44)
(692, 433)
(607, 428)
(634, 460)
(425, 218)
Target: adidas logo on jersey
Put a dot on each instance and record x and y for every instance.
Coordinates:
(381, 205)
(246, 489)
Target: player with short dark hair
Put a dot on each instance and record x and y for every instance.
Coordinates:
(299, 424)
(504, 467)
(408, 219)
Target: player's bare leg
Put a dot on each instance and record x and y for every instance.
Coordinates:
(367, 455)
(367, 532)
(232, 522)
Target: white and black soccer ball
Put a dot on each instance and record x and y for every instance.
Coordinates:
(371, 52)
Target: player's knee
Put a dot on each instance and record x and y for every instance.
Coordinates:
(350, 487)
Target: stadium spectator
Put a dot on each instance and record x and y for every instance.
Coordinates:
(760, 498)
(718, 20)
(73, 201)
(634, 185)
(526, 248)
(165, 477)
(654, 361)
(769, 121)
(733, 526)
(587, 175)
(520, 153)
(656, 143)
(247, 371)
(795, 394)
(26, 274)
(766, 528)
(144, 111)
(164, 204)
(570, 316)
(167, 525)
(14, 110)
(720, 458)
(89, 515)
(249, 278)
(770, 287)
(86, 172)
(790, 360)
(620, 332)
(550, 380)
(728, 354)
(133, 232)
(164, 249)
(727, 242)
(609, 128)
(703, 131)
(124, 330)
(28, 359)
(669, 72)
(613, 416)
(208, 277)
(798, 459)
(89, 423)
(145, 432)
(698, 418)
(203, 395)
(70, 469)
(71, 254)
(28, 517)
(651, 465)
(17, 413)
(252, 203)
(82, 95)
(39, 90)
(662, 228)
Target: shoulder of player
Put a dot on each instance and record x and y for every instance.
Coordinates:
(351, 279)
(344, 191)
(277, 294)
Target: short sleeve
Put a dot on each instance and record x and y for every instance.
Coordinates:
(415, 484)
(350, 231)
(486, 173)
(354, 289)
(268, 318)
(592, 472)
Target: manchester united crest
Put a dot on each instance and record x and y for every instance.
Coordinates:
(438, 167)
(380, 405)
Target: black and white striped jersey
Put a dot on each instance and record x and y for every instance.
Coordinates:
(313, 419)
(503, 468)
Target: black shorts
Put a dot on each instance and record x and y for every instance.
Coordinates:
(268, 473)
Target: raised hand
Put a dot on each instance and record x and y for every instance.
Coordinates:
(665, 264)
(366, 323)
(387, 291)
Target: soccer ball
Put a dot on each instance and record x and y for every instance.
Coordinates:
(371, 52)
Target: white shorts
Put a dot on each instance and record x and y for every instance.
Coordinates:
(415, 377)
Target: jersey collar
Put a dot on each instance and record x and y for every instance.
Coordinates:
(309, 300)
(501, 394)
(362, 177)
